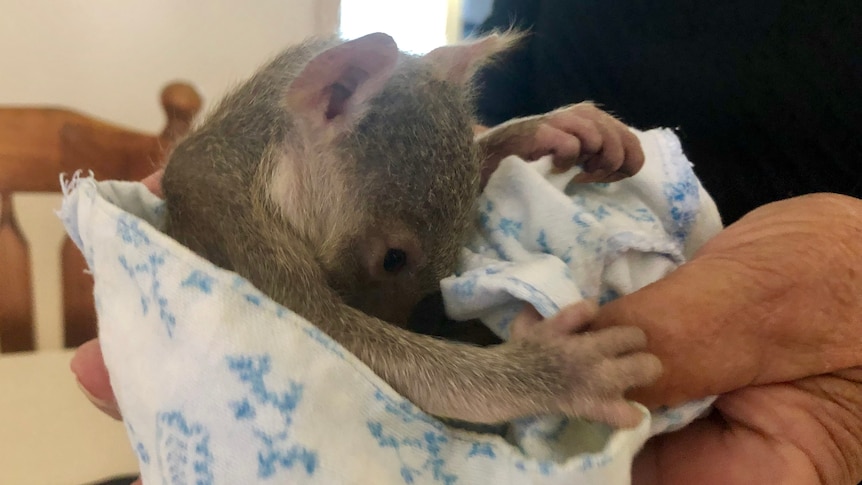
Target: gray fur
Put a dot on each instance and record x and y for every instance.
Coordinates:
(406, 171)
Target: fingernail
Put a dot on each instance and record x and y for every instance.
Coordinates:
(75, 364)
(106, 407)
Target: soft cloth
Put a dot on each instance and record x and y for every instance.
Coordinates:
(550, 243)
(220, 385)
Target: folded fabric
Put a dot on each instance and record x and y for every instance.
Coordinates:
(545, 241)
(219, 384)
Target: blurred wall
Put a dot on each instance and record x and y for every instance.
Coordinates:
(110, 59)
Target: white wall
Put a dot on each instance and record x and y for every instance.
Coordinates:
(416, 26)
(110, 59)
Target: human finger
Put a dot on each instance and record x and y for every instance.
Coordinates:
(799, 433)
(154, 182)
(88, 365)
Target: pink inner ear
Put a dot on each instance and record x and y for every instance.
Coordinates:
(341, 91)
(458, 63)
(338, 82)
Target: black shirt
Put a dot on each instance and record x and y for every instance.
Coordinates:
(765, 93)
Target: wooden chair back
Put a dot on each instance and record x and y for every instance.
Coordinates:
(37, 144)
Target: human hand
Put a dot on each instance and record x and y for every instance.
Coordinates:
(579, 134)
(772, 298)
(803, 432)
(767, 315)
(88, 365)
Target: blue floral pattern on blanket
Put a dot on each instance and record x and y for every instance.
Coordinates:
(537, 247)
(427, 444)
(183, 450)
(219, 384)
(145, 270)
(277, 448)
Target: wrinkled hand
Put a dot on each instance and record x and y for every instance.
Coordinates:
(804, 432)
(580, 134)
(767, 314)
(778, 293)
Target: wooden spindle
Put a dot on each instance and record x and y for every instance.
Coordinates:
(16, 293)
(38, 143)
(181, 103)
(79, 312)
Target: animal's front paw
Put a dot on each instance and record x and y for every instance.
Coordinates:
(580, 134)
(588, 371)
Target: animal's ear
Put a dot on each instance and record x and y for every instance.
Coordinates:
(458, 63)
(333, 89)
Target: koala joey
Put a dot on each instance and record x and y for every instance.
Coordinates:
(340, 180)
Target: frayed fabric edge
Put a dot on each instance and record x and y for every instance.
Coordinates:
(68, 185)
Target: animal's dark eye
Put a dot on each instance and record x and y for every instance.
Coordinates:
(394, 260)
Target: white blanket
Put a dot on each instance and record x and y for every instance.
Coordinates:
(550, 243)
(220, 385)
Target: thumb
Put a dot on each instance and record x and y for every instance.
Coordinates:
(89, 368)
(154, 183)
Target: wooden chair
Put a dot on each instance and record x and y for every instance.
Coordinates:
(36, 145)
